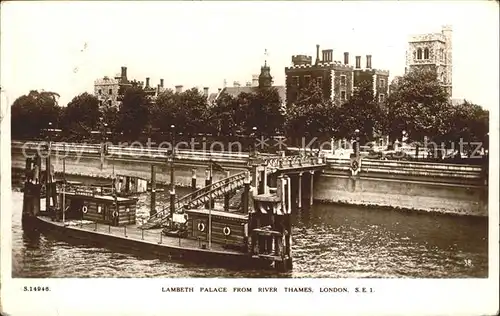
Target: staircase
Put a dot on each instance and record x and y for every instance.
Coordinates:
(197, 198)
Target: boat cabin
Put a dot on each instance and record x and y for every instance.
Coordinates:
(230, 229)
(105, 209)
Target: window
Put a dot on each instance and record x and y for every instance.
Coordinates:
(319, 81)
(343, 95)
(109, 102)
(343, 80)
(100, 102)
(307, 80)
(99, 91)
(426, 53)
(419, 53)
(382, 83)
(295, 81)
(110, 91)
(381, 97)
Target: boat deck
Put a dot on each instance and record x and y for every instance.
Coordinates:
(149, 236)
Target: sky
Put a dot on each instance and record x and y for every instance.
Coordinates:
(65, 46)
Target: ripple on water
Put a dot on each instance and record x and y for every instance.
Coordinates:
(328, 242)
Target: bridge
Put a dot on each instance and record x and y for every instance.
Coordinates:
(261, 171)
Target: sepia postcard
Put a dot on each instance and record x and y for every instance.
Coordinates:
(249, 158)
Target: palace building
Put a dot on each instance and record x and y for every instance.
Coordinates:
(109, 91)
(337, 79)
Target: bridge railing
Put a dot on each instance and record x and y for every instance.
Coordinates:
(187, 199)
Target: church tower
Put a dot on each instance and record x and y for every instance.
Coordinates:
(265, 78)
(433, 51)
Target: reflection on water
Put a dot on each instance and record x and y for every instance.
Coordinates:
(328, 241)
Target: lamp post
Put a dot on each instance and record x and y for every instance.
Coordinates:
(172, 174)
(48, 180)
(356, 143)
(254, 133)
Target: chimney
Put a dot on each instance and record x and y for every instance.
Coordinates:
(205, 91)
(161, 83)
(346, 58)
(255, 80)
(147, 82)
(236, 84)
(317, 53)
(249, 84)
(369, 61)
(178, 89)
(327, 55)
(124, 73)
(358, 62)
(219, 90)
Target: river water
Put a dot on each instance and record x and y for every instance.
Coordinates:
(329, 241)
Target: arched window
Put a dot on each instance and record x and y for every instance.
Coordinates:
(419, 53)
(426, 53)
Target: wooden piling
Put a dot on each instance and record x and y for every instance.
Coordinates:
(152, 211)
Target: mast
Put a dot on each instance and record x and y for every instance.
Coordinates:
(64, 190)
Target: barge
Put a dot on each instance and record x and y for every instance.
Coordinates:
(258, 235)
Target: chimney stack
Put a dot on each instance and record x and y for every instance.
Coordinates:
(369, 61)
(255, 80)
(161, 83)
(327, 55)
(124, 73)
(219, 89)
(358, 62)
(147, 82)
(317, 53)
(346, 58)
(236, 84)
(205, 91)
(178, 89)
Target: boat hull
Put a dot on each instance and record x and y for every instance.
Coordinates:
(142, 248)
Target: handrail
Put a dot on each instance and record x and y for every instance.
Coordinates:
(196, 194)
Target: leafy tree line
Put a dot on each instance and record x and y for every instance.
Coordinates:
(417, 105)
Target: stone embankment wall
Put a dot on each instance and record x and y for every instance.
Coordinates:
(453, 189)
(428, 187)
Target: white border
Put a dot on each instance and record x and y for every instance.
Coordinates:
(144, 296)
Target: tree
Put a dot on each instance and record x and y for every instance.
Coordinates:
(133, 113)
(418, 104)
(311, 114)
(361, 112)
(81, 116)
(224, 116)
(32, 113)
(466, 123)
(186, 110)
(262, 109)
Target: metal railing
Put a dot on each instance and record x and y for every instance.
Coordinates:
(188, 199)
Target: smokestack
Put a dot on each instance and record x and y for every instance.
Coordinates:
(178, 89)
(161, 83)
(346, 58)
(124, 73)
(369, 61)
(205, 91)
(358, 62)
(317, 53)
(147, 82)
